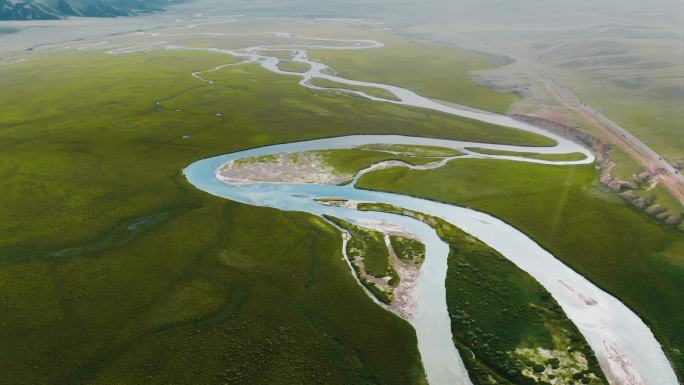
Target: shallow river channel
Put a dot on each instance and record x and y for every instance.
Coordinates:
(625, 347)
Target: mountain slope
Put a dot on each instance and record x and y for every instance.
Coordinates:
(59, 9)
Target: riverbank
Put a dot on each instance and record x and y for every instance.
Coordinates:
(604, 340)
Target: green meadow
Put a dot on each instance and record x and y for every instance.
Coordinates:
(114, 268)
(95, 115)
(369, 256)
(645, 97)
(293, 66)
(501, 318)
(408, 250)
(433, 70)
(622, 250)
(372, 91)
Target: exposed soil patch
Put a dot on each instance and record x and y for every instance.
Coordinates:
(304, 167)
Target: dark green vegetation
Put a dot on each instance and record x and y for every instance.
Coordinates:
(219, 293)
(100, 140)
(369, 256)
(623, 251)
(372, 91)
(408, 250)
(531, 155)
(504, 317)
(204, 291)
(369, 246)
(200, 290)
(439, 73)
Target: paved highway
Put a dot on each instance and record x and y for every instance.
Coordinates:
(666, 174)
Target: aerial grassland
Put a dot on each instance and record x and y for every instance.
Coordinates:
(504, 323)
(218, 293)
(113, 268)
(432, 70)
(293, 66)
(140, 101)
(633, 79)
(370, 258)
(623, 251)
(111, 259)
(408, 249)
(371, 91)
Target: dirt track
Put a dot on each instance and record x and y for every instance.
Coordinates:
(665, 173)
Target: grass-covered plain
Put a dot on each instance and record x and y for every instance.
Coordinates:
(115, 269)
(293, 66)
(282, 54)
(408, 250)
(505, 324)
(353, 160)
(207, 291)
(432, 70)
(370, 258)
(372, 91)
(369, 246)
(620, 249)
(645, 97)
(113, 100)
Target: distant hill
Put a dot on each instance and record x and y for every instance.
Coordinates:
(59, 9)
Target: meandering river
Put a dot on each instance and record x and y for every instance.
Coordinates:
(625, 347)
